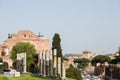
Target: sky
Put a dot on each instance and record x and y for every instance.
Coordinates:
(82, 24)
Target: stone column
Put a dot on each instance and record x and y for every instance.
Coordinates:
(55, 63)
(63, 72)
(51, 63)
(40, 62)
(18, 62)
(44, 64)
(59, 67)
(47, 63)
(24, 63)
(21, 64)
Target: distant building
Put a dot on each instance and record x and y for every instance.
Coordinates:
(70, 59)
(39, 42)
(87, 54)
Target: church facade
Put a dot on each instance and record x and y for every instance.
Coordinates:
(40, 43)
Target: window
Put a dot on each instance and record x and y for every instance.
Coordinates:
(24, 35)
(3, 53)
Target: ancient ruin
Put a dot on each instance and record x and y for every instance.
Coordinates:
(39, 42)
(48, 65)
(21, 62)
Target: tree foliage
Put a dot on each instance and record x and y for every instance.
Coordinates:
(82, 63)
(115, 61)
(100, 59)
(72, 72)
(22, 47)
(56, 44)
(117, 57)
(99, 70)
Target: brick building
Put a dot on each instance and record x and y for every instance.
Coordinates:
(40, 43)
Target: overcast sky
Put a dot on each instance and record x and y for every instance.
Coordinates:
(82, 24)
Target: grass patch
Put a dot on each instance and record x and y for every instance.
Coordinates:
(23, 77)
(26, 76)
(70, 79)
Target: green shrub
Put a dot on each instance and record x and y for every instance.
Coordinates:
(72, 72)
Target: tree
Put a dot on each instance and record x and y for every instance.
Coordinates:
(56, 44)
(100, 59)
(22, 47)
(115, 61)
(82, 63)
(72, 72)
(117, 57)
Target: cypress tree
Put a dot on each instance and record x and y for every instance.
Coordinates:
(56, 45)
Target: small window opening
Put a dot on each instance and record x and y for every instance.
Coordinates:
(24, 35)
